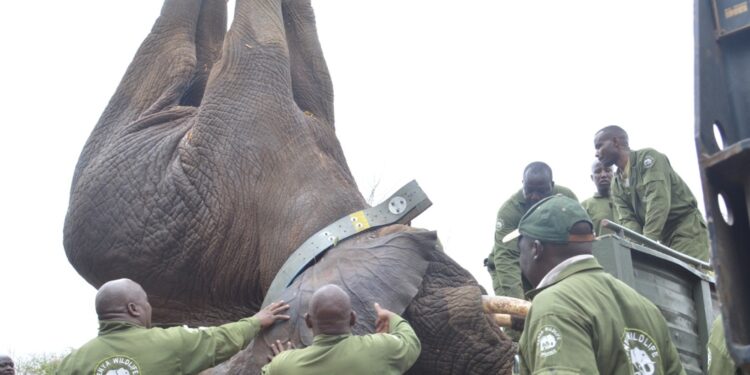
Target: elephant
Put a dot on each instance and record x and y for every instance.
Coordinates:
(217, 157)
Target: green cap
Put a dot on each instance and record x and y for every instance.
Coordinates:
(551, 219)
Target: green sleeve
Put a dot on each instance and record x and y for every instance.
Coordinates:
(207, 347)
(507, 278)
(656, 197)
(719, 362)
(403, 344)
(625, 215)
(555, 343)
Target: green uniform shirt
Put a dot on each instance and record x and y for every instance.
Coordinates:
(584, 321)
(599, 208)
(651, 198)
(123, 346)
(380, 353)
(719, 360)
(506, 279)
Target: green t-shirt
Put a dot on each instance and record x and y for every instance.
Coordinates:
(599, 208)
(147, 351)
(377, 354)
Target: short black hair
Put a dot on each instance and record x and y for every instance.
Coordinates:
(616, 131)
(538, 167)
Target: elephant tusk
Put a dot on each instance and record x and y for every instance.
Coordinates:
(503, 320)
(505, 305)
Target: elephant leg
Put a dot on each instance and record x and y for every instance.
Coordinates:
(311, 82)
(212, 27)
(161, 69)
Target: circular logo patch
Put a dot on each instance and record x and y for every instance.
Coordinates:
(548, 341)
(118, 365)
(499, 224)
(642, 351)
(648, 162)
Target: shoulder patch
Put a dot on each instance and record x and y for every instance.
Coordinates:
(648, 162)
(642, 351)
(499, 225)
(118, 365)
(548, 341)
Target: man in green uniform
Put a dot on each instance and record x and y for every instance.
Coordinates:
(7, 367)
(650, 197)
(502, 263)
(599, 206)
(719, 360)
(126, 343)
(582, 320)
(392, 350)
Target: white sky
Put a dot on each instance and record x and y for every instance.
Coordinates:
(458, 95)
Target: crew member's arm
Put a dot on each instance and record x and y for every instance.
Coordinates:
(207, 347)
(623, 211)
(555, 343)
(506, 257)
(655, 195)
(720, 362)
(400, 346)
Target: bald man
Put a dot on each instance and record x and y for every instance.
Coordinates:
(127, 343)
(650, 197)
(7, 367)
(502, 263)
(392, 350)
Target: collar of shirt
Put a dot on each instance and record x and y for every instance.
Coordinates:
(552, 274)
(329, 340)
(109, 326)
(583, 263)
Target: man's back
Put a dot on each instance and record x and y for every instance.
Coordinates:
(140, 350)
(589, 322)
(391, 353)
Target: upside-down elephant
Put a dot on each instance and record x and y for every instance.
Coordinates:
(216, 158)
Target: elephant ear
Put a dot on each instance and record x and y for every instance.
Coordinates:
(383, 266)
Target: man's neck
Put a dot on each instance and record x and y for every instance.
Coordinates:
(622, 161)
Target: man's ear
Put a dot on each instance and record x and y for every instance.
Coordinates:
(353, 318)
(308, 320)
(537, 250)
(133, 309)
(592, 178)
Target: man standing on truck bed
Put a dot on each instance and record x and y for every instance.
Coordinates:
(502, 263)
(583, 320)
(650, 197)
(599, 206)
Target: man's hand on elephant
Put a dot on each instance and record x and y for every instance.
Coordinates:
(382, 322)
(278, 347)
(271, 313)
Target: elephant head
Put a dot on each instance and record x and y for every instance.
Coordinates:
(217, 156)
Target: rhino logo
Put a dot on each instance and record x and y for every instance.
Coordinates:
(642, 364)
(119, 371)
(548, 341)
(642, 352)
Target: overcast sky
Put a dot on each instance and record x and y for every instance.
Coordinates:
(457, 95)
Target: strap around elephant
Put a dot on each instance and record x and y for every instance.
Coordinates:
(403, 206)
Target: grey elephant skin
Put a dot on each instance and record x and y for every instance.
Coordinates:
(217, 157)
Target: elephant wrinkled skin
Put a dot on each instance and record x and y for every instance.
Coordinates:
(217, 156)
